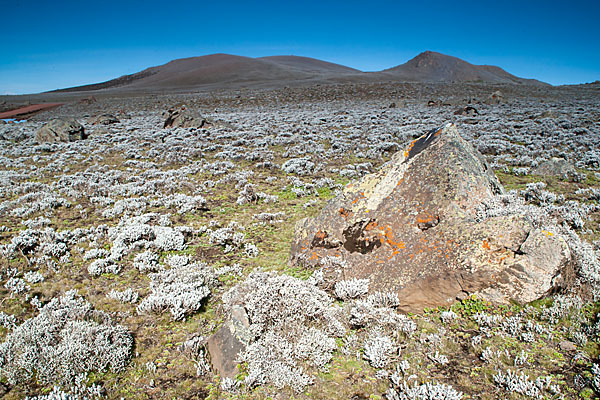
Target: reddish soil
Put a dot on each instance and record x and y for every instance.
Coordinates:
(29, 110)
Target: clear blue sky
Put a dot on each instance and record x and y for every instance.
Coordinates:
(63, 43)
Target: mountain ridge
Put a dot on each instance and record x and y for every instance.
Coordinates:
(238, 71)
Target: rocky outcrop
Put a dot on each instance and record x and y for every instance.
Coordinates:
(60, 130)
(412, 228)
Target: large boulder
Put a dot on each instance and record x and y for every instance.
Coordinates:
(60, 130)
(413, 228)
(183, 117)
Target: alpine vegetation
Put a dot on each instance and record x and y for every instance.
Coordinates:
(293, 326)
(181, 289)
(67, 338)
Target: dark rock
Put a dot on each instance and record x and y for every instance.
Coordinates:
(393, 105)
(228, 342)
(88, 100)
(105, 119)
(60, 130)
(469, 111)
(556, 167)
(411, 228)
(182, 117)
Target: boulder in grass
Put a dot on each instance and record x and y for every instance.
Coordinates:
(412, 229)
(60, 130)
(183, 117)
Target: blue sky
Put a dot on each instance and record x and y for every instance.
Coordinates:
(63, 43)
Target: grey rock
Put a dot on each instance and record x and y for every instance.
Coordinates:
(565, 345)
(60, 130)
(105, 119)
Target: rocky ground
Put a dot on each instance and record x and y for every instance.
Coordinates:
(124, 251)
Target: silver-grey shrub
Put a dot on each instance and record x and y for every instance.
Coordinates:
(291, 321)
(180, 289)
(65, 339)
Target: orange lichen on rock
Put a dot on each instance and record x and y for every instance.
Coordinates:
(486, 245)
(321, 235)
(409, 148)
(344, 213)
(426, 219)
(361, 196)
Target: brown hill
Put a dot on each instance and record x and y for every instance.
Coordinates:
(310, 65)
(430, 66)
(224, 70)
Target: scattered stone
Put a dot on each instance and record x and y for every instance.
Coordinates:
(467, 111)
(105, 119)
(555, 167)
(410, 228)
(88, 100)
(60, 130)
(565, 345)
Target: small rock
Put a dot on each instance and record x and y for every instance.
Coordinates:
(496, 98)
(105, 119)
(467, 111)
(565, 345)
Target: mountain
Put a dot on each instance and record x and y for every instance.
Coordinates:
(430, 66)
(310, 65)
(225, 70)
